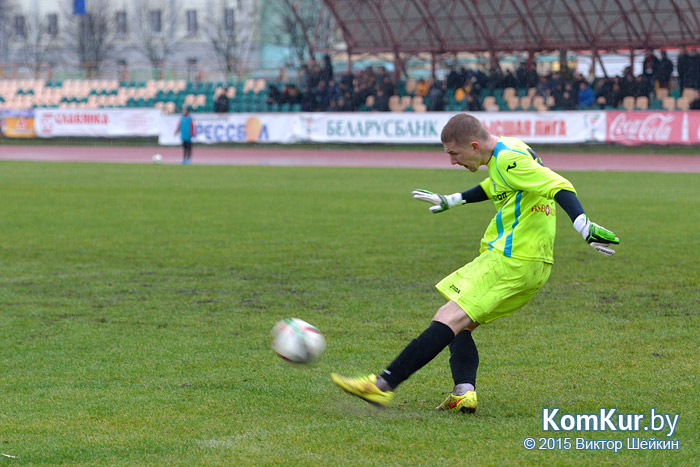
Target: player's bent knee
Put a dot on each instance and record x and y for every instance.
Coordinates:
(455, 317)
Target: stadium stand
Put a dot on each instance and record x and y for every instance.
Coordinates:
(355, 92)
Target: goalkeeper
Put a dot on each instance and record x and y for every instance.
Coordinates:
(515, 259)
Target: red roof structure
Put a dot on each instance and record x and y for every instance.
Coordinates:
(451, 26)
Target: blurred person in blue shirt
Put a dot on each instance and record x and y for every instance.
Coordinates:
(186, 129)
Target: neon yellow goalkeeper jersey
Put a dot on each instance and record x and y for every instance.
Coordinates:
(523, 190)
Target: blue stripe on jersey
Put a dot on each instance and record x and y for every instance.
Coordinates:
(509, 239)
(499, 228)
(498, 148)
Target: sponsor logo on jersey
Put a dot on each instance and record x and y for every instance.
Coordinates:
(544, 208)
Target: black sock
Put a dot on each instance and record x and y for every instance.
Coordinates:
(420, 351)
(464, 359)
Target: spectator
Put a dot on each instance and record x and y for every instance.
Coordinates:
(436, 97)
(695, 105)
(454, 79)
(327, 70)
(348, 102)
(628, 85)
(343, 105)
(642, 87)
(554, 80)
(322, 98)
(682, 66)
(334, 91)
(495, 79)
(650, 66)
(465, 76)
(274, 96)
(613, 98)
(422, 88)
(381, 101)
(481, 80)
(307, 99)
(602, 88)
(566, 98)
(290, 94)
(543, 88)
(333, 106)
(387, 85)
(532, 77)
(473, 104)
(692, 75)
(347, 80)
(509, 80)
(521, 75)
(221, 104)
(585, 95)
(664, 71)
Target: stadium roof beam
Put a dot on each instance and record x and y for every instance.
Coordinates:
(453, 26)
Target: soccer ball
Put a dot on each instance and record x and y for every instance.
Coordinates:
(157, 159)
(297, 341)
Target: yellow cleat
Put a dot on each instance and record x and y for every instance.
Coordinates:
(364, 387)
(465, 403)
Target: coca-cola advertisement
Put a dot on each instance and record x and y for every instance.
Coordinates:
(634, 128)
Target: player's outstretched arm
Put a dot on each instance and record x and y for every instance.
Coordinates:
(442, 203)
(439, 202)
(599, 238)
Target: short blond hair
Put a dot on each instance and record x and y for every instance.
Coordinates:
(463, 129)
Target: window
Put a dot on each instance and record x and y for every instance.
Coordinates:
(191, 23)
(156, 25)
(120, 24)
(20, 30)
(52, 25)
(229, 20)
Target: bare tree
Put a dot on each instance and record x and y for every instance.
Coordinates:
(156, 31)
(38, 44)
(90, 34)
(6, 11)
(308, 27)
(231, 32)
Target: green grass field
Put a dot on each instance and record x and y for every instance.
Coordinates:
(136, 303)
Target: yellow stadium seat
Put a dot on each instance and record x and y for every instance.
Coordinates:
(395, 104)
(642, 103)
(490, 105)
(683, 103)
(512, 102)
(669, 103)
(410, 86)
(662, 93)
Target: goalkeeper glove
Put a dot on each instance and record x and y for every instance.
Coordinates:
(439, 202)
(599, 238)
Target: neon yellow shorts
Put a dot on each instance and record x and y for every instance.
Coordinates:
(493, 286)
